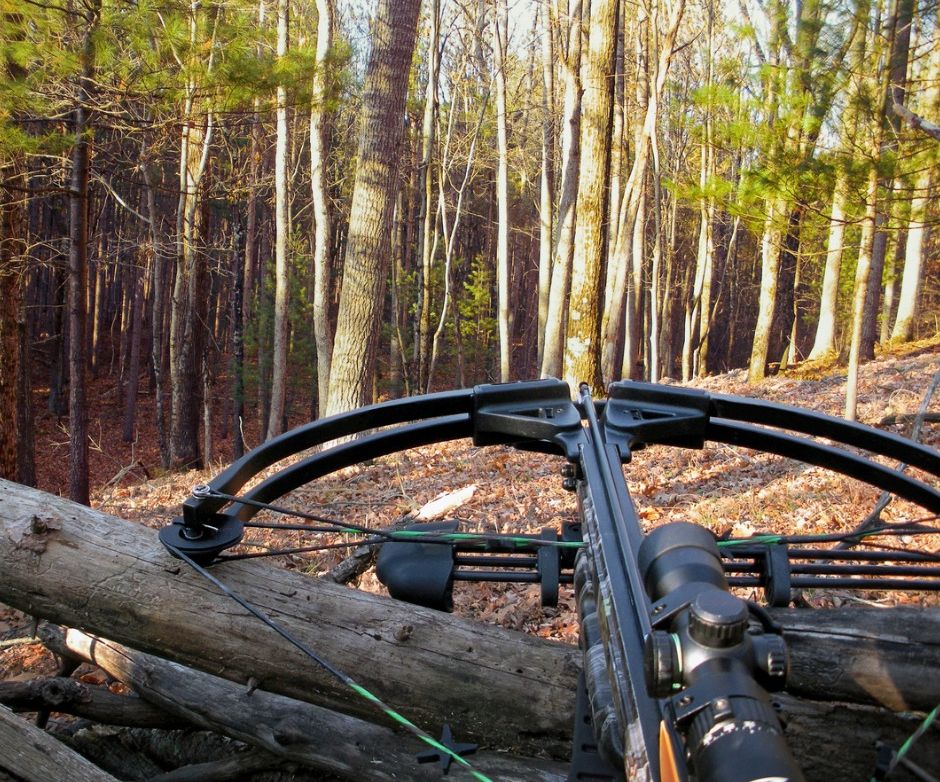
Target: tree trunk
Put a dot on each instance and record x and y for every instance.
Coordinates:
(915, 251)
(133, 370)
(894, 93)
(276, 418)
(547, 180)
(367, 250)
(862, 273)
(157, 327)
(187, 329)
(78, 271)
(12, 273)
(500, 42)
(426, 214)
(583, 339)
(825, 342)
(319, 135)
(771, 248)
(570, 57)
(285, 728)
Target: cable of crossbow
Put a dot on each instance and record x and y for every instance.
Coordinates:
(908, 529)
(344, 678)
(444, 538)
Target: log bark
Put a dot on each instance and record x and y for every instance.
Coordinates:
(839, 741)
(33, 755)
(865, 655)
(69, 696)
(288, 729)
(82, 568)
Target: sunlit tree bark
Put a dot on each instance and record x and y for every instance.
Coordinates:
(569, 56)
(582, 342)
(368, 244)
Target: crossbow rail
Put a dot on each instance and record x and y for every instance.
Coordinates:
(676, 666)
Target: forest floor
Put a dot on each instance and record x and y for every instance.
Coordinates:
(723, 488)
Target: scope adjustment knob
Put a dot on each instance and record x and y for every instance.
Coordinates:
(717, 619)
(772, 660)
(662, 664)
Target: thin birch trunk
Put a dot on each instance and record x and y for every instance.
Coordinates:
(319, 135)
(500, 42)
(427, 219)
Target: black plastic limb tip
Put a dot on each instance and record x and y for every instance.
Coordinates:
(202, 543)
(442, 759)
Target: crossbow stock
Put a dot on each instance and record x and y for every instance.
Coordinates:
(676, 667)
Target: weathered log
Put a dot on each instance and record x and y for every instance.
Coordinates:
(883, 656)
(286, 728)
(82, 568)
(235, 767)
(30, 753)
(69, 696)
(838, 742)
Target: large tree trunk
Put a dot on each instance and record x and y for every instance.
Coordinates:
(556, 318)
(894, 93)
(187, 328)
(35, 756)
(368, 243)
(825, 342)
(859, 312)
(12, 273)
(915, 251)
(771, 249)
(547, 180)
(583, 339)
(426, 213)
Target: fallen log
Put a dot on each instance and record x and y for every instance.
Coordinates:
(69, 696)
(79, 567)
(32, 754)
(288, 729)
(865, 655)
(838, 742)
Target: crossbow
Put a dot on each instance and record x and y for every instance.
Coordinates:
(677, 669)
